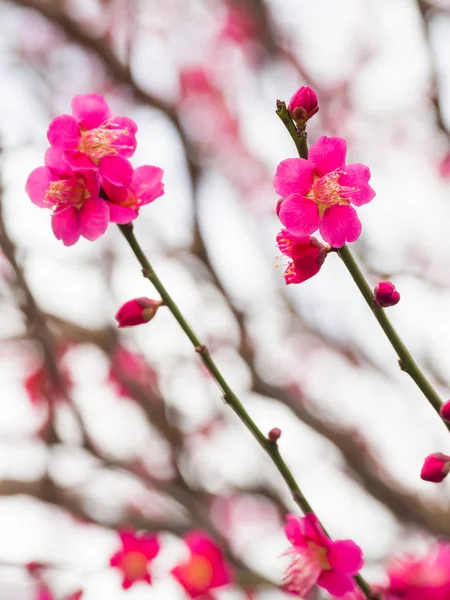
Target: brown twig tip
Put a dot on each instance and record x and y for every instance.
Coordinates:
(280, 105)
(274, 435)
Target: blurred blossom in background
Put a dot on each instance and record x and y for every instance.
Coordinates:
(103, 429)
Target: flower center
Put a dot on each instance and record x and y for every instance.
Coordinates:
(199, 572)
(327, 190)
(65, 193)
(130, 201)
(101, 141)
(320, 556)
(134, 565)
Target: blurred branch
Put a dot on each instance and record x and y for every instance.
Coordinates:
(54, 12)
(427, 11)
(405, 506)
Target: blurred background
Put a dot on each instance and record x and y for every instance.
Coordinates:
(102, 429)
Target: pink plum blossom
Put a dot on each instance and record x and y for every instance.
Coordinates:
(385, 294)
(424, 577)
(91, 134)
(137, 311)
(315, 559)
(125, 200)
(205, 569)
(436, 467)
(306, 256)
(318, 192)
(134, 557)
(77, 209)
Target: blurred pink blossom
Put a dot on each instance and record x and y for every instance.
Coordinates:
(205, 568)
(421, 578)
(134, 558)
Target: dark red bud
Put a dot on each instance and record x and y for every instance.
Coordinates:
(385, 294)
(274, 435)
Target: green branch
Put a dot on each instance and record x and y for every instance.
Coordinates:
(406, 361)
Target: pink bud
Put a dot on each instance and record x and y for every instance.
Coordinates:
(137, 311)
(274, 435)
(435, 467)
(445, 411)
(385, 294)
(303, 105)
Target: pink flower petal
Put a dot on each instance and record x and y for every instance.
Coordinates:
(314, 531)
(294, 531)
(200, 543)
(327, 154)
(293, 176)
(299, 215)
(127, 583)
(150, 547)
(222, 574)
(125, 143)
(54, 161)
(65, 225)
(90, 110)
(64, 132)
(116, 559)
(121, 214)
(147, 183)
(357, 176)
(129, 540)
(78, 161)
(340, 224)
(37, 185)
(345, 556)
(116, 170)
(94, 218)
(336, 583)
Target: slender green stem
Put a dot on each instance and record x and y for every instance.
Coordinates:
(406, 361)
(298, 135)
(229, 396)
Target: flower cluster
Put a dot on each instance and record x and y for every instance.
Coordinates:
(87, 180)
(319, 193)
(205, 569)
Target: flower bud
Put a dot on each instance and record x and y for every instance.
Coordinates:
(385, 294)
(274, 435)
(137, 311)
(303, 105)
(435, 467)
(445, 411)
